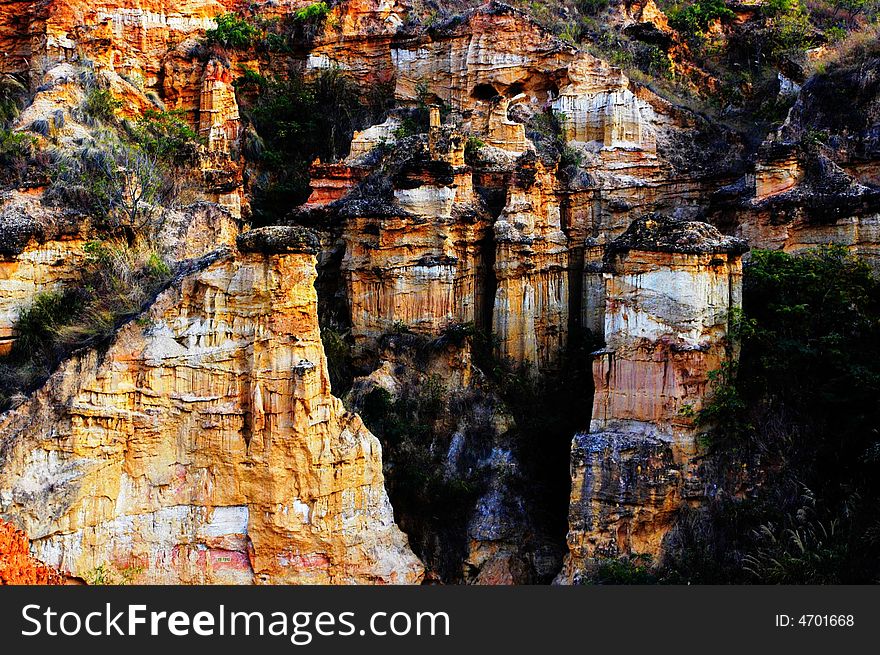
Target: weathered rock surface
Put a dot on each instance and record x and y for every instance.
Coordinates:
(815, 179)
(204, 446)
(39, 249)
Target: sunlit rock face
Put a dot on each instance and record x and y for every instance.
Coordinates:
(149, 55)
(530, 313)
(138, 33)
(670, 288)
(39, 250)
(414, 257)
(42, 248)
(797, 201)
(496, 51)
(204, 446)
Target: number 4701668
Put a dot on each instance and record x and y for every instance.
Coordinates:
(826, 620)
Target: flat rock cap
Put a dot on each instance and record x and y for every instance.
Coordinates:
(279, 239)
(657, 233)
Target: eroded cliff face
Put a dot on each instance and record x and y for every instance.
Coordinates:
(204, 446)
(498, 237)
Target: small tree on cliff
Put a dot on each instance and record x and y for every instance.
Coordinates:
(121, 185)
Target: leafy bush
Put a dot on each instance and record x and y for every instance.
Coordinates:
(167, 136)
(106, 574)
(693, 19)
(570, 156)
(119, 184)
(548, 130)
(313, 13)
(790, 29)
(796, 421)
(39, 325)
(15, 146)
(805, 314)
(473, 146)
(337, 344)
(234, 32)
(652, 60)
(296, 121)
(636, 569)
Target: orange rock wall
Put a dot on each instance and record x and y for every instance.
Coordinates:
(17, 566)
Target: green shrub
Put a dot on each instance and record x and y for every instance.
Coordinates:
(99, 103)
(798, 419)
(693, 19)
(410, 125)
(297, 120)
(167, 136)
(313, 13)
(652, 60)
(432, 504)
(105, 574)
(548, 131)
(570, 156)
(473, 146)
(15, 146)
(633, 570)
(337, 344)
(234, 32)
(38, 326)
(790, 31)
(836, 34)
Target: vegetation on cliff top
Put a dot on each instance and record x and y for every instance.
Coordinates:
(249, 30)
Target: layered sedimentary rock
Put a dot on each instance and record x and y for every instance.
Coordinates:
(139, 33)
(815, 179)
(669, 290)
(39, 249)
(415, 258)
(530, 312)
(209, 418)
(218, 109)
(14, 40)
(204, 446)
(43, 249)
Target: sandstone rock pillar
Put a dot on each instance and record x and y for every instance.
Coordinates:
(669, 290)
